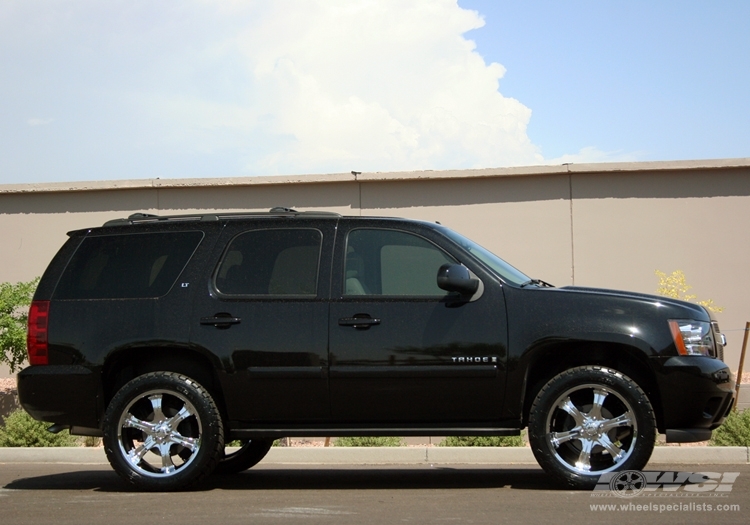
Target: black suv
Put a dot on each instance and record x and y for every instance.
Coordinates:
(171, 336)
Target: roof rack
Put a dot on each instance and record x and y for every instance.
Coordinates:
(278, 211)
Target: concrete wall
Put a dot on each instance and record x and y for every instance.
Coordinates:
(606, 225)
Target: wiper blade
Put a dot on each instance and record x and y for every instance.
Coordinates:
(537, 282)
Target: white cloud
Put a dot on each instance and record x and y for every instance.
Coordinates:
(282, 86)
(39, 121)
(591, 154)
(382, 85)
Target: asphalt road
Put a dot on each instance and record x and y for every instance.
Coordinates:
(351, 495)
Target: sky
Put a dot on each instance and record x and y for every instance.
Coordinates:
(135, 89)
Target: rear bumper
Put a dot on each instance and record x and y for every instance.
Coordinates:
(61, 394)
(697, 394)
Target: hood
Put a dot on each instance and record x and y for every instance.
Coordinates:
(650, 298)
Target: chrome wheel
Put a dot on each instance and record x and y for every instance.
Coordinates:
(159, 433)
(592, 429)
(588, 421)
(162, 431)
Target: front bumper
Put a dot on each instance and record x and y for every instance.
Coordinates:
(697, 394)
(61, 394)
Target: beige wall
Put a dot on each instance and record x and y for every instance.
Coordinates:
(607, 225)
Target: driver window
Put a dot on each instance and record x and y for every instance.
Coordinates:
(386, 262)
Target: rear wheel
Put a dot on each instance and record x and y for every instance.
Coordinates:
(250, 453)
(588, 421)
(162, 431)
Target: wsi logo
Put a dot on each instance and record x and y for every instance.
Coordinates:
(632, 483)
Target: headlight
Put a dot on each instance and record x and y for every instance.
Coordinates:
(692, 337)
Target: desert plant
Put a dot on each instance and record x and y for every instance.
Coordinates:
(384, 441)
(21, 430)
(675, 286)
(14, 311)
(238, 443)
(735, 432)
(90, 441)
(483, 441)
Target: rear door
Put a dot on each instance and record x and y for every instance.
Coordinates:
(401, 349)
(265, 314)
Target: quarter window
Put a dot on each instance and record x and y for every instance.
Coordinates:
(128, 266)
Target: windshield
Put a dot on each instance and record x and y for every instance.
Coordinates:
(502, 268)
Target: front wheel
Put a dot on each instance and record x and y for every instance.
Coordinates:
(162, 431)
(588, 421)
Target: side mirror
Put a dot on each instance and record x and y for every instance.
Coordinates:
(456, 278)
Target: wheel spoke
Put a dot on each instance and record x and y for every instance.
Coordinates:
(614, 450)
(624, 420)
(167, 466)
(180, 416)
(572, 410)
(187, 442)
(133, 422)
(584, 458)
(156, 400)
(558, 438)
(136, 455)
(599, 397)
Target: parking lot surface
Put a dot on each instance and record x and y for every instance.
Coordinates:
(356, 494)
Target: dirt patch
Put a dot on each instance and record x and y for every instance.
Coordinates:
(8, 397)
(7, 384)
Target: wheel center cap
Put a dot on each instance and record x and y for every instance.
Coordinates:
(161, 432)
(591, 427)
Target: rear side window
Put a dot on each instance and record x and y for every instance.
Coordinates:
(271, 262)
(130, 266)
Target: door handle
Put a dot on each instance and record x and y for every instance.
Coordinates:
(220, 320)
(359, 321)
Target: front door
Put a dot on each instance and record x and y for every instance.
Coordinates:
(401, 349)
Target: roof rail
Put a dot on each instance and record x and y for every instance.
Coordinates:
(278, 211)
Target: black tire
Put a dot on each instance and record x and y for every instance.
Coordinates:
(588, 421)
(163, 432)
(248, 455)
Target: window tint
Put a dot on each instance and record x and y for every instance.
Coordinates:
(383, 262)
(271, 262)
(127, 266)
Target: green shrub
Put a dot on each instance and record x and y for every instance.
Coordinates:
(483, 441)
(386, 441)
(21, 430)
(735, 432)
(14, 312)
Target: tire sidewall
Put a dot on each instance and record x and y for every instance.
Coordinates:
(212, 441)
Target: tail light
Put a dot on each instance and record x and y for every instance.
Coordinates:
(36, 341)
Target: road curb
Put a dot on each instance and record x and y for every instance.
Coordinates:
(391, 455)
